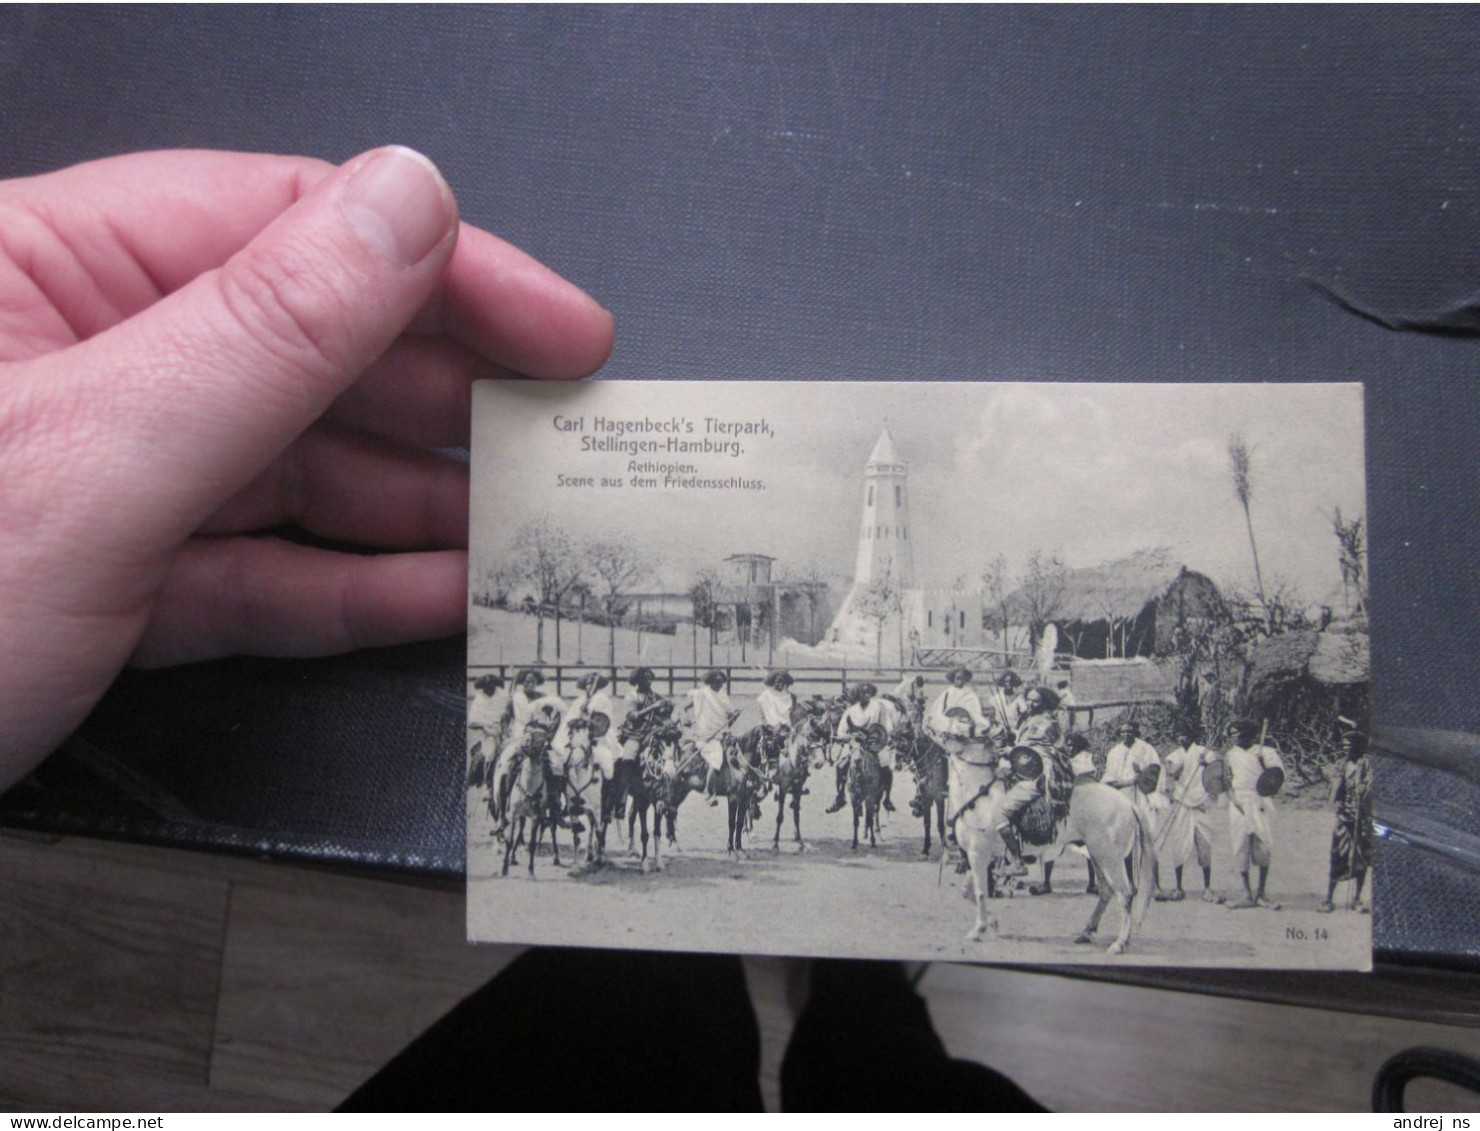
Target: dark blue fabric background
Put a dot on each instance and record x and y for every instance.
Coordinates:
(878, 193)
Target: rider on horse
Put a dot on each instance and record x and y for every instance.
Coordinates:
(866, 711)
(487, 714)
(711, 715)
(781, 714)
(526, 705)
(776, 702)
(1027, 770)
(647, 716)
(592, 709)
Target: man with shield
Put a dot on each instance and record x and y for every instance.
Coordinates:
(1026, 770)
(1133, 766)
(647, 715)
(866, 712)
(1254, 774)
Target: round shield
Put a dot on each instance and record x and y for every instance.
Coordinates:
(960, 713)
(1217, 778)
(1270, 782)
(1148, 778)
(1027, 763)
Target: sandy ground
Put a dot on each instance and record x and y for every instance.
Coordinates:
(891, 901)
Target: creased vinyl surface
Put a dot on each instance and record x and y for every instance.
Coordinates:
(963, 192)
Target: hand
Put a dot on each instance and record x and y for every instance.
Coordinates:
(198, 347)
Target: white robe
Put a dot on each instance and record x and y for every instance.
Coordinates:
(522, 710)
(775, 707)
(880, 712)
(584, 707)
(1123, 765)
(486, 715)
(1248, 813)
(965, 698)
(710, 719)
(1191, 805)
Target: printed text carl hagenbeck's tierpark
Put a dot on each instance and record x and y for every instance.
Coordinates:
(663, 436)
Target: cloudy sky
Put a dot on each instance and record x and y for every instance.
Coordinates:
(1092, 472)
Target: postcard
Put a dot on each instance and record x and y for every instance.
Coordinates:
(977, 671)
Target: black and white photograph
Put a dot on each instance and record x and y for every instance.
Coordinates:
(1004, 672)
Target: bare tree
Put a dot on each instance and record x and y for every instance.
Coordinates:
(493, 586)
(877, 601)
(994, 581)
(548, 558)
(615, 568)
(1351, 537)
(704, 593)
(1041, 590)
(1240, 472)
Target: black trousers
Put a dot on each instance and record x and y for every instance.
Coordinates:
(587, 1030)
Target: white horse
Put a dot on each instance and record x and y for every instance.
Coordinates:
(1121, 848)
(972, 789)
(582, 800)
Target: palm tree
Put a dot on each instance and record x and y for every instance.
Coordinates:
(1243, 487)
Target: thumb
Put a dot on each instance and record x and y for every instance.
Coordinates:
(193, 397)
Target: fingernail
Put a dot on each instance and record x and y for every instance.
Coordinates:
(399, 204)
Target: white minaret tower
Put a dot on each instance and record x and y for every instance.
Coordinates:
(883, 550)
(884, 532)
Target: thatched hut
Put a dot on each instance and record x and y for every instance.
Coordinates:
(1122, 609)
(1306, 678)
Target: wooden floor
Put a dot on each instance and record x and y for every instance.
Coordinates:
(146, 979)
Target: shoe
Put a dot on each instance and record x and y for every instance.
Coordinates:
(915, 810)
(805, 792)
(1209, 896)
(711, 801)
(1267, 904)
(755, 811)
(1040, 889)
(1242, 905)
(1160, 896)
(835, 806)
(1177, 895)
(1015, 868)
(1327, 906)
(888, 805)
(1092, 889)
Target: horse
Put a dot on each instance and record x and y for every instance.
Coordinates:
(1123, 854)
(866, 781)
(581, 796)
(525, 796)
(927, 761)
(810, 734)
(648, 785)
(740, 776)
(976, 833)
